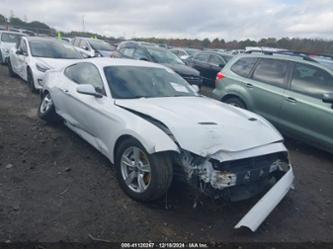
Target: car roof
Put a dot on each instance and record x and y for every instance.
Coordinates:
(37, 38)
(280, 57)
(12, 32)
(105, 61)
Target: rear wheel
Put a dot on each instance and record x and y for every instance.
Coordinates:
(235, 101)
(30, 81)
(144, 177)
(46, 109)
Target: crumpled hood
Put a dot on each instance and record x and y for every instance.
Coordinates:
(183, 69)
(53, 63)
(205, 126)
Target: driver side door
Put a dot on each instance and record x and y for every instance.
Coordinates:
(83, 113)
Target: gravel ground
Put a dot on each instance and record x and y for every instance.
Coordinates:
(54, 186)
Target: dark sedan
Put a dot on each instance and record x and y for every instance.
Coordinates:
(136, 50)
(209, 63)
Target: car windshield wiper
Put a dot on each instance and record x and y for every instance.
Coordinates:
(136, 97)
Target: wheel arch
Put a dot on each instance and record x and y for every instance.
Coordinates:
(150, 147)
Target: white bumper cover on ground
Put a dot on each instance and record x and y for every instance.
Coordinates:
(267, 203)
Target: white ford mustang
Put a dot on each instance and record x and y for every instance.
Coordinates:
(154, 126)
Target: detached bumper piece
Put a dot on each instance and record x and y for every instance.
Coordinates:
(267, 203)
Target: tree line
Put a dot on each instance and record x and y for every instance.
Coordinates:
(298, 44)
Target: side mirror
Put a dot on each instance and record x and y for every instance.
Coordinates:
(143, 59)
(86, 48)
(195, 88)
(19, 52)
(328, 98)
(221, 65)
(88, 89)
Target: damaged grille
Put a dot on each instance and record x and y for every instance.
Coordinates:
(251, 169)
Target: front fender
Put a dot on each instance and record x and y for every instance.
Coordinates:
(152, 138)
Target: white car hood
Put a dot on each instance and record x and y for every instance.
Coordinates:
(55, 63)
(205, 126)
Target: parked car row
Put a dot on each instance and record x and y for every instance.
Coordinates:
(154, 126)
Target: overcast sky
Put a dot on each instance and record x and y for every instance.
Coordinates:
(233, 19)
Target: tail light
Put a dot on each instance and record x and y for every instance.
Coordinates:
(219, 76)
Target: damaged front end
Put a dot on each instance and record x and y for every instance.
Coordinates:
(238, 179)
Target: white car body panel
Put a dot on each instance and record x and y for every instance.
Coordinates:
(225, 133)
(259, 212)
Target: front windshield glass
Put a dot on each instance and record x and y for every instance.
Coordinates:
(191, 51)
(53, 49)
(128, 82)
(10, 38)
(163, 56)
(100, 45)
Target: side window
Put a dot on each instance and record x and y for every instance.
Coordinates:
(271, 71)
(23, 46)
(77, 42)
(244, 66)
(139, 53)
(216, 60)
(176, 52)
(83, 44)
(181, 53)
(203, 57)
(311, 80)
(128, 52)
(85, 73)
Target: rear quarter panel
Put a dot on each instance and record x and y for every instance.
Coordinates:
(232, 86)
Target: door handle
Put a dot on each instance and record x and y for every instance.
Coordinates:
(248, 85)
(291, 100)
(65, 91)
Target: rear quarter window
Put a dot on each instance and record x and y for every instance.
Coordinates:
(244, 66)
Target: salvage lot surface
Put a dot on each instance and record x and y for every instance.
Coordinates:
(54, 186)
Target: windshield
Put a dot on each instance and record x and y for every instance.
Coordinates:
(128, 82)
(100, 45)
(53, 49)
(10, 38)
(163, 56)
(191, 51)
(226, 57)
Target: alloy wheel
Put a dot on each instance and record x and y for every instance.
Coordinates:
(135, 169)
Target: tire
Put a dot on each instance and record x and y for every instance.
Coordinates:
(46, 110)
(10, 69)
(2, 61)
(155, 178)
(235, 101)
(30, 81)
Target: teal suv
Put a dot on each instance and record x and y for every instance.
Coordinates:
(293, 93)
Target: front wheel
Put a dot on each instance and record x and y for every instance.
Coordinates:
(46, 109)
(144, 177)
(10, 69)
(234, 101)
(30, 81)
